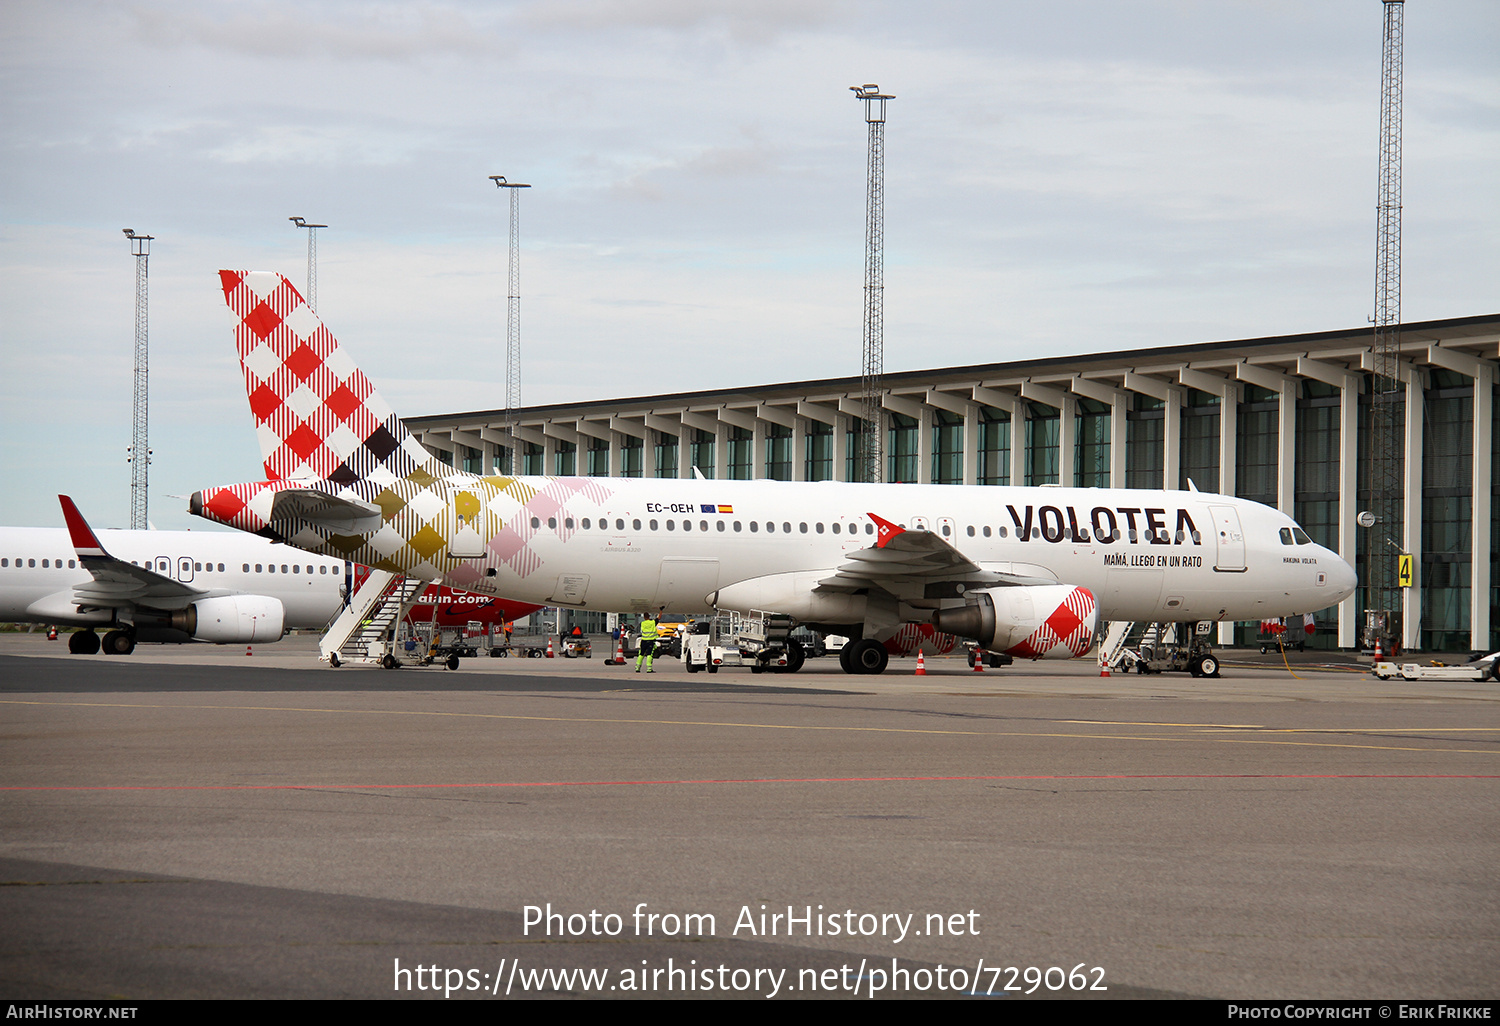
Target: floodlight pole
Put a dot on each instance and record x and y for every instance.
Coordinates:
(513, 321)
(139, 453)
(311, 297)
(871, 437)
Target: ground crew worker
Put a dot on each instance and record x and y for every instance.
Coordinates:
(648, 643)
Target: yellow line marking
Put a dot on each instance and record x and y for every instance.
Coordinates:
(751, 726)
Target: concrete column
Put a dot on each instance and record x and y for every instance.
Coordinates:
(1119, 428)
(721, 452)
(1286, 448)
(799, 451)
(1411, 607)
(1018, 443)
(971, 444)
(758, 451)
(1171, 471)
(1479, 570)
(685, 452)
(1067, 440)
(549, 456)
(924, 446)
(1348, 494)
(840, 447)
(616, 456)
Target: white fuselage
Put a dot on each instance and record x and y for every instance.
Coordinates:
(39, 569)
(644, 543)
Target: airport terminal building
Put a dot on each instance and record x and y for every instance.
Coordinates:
(1283, 421)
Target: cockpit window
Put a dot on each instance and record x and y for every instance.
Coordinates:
(1301, 536)
(1286, 536)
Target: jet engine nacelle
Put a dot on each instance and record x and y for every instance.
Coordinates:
(232, 620)
(1052, 621)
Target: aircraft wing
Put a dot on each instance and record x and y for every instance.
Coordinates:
(902, 560)
(116, 583)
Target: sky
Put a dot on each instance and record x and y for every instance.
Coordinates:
(1067, 177)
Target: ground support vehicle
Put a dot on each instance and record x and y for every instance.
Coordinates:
(760, 641)
(1480, 667)
(577, 648)
(1274, 634)
(1174, 646)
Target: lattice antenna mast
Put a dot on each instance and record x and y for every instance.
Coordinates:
(871, 435)
(311, 296)
(1385, 428)
(139, 453)
(513, 320)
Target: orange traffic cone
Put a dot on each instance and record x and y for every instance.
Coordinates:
(1104, 668)
(51, 633)
(619, 659)
(979, 660)
(1379, 655)
(550, 653)
(247, 649)
(921, 664)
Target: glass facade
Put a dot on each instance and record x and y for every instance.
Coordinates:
(902, 438)
(819, 452)
(1091, 457)
(666, 455)
(1447, 510)
(994, 447)
(703, 452)
(534, 460)
(741, 454)
(947, 447)
(1315, 494)
(632, 451)
(778, 452)
(1199, 461)
(1042, 424)
(565, 459)
(1145, 442)
(1257, 440)
(598, 454)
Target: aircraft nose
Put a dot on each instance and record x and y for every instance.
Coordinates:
(1341, 575)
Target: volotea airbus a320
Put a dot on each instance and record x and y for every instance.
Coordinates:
(1027, 571)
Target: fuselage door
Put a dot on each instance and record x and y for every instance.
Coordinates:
(947, 530)
(467, 540)
(1230, 537)
(184, 569)
(162, 565)
(919, 524)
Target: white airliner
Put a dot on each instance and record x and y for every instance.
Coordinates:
(171, 586)
(1027, 571)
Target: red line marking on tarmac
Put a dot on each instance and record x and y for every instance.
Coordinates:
(758, 780)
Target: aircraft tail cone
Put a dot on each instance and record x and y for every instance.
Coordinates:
(921, 664)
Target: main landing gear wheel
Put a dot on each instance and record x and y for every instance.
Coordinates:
(119, 643)
(83, 643)
(868, 657)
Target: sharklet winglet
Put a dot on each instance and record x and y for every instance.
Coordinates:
(79, 531)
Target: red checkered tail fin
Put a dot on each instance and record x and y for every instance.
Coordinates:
(316, 414)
